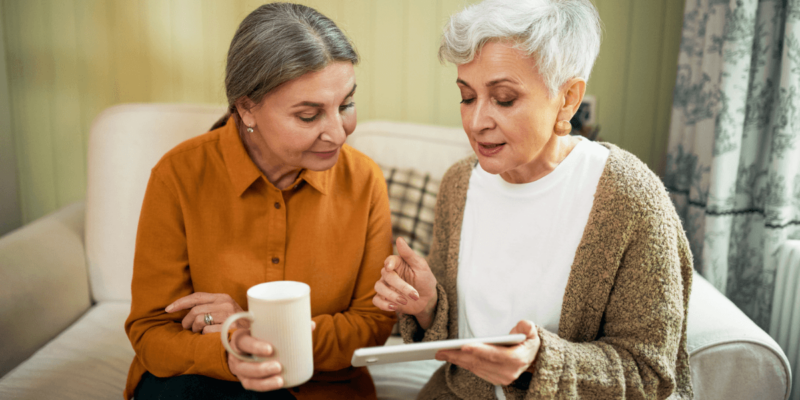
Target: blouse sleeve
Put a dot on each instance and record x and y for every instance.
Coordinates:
(363, 324)
(642, 332)
(160, 275)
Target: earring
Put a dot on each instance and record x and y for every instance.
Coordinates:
(563, 127)
(249, 129)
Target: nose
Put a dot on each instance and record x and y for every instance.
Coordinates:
(333, 131)
(480, 118)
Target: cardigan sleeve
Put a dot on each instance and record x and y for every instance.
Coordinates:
(641, 334)
(413, 332)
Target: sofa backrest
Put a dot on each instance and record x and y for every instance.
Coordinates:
(426, 148)
(128, 140)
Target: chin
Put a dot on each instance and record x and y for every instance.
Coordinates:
(491, 165)
(322, 165)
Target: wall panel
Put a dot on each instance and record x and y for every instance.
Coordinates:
(608, 80)
(69, 152)
(421, 40)
(387, 61)
(448, 97)
(644, 67)
(36, 155)
(357, 21)
(158, 37)
(131, 69)
(96, 81)
(68, 60)
(10, 211)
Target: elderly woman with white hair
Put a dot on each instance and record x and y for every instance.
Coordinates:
(571, 242)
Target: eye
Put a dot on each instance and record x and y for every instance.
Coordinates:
(505, 103)
(344, 107)
(467, 101)
(310, 119)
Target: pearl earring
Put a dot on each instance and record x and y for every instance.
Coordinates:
(249, 129)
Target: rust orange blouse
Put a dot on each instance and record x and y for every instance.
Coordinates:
(211, 222)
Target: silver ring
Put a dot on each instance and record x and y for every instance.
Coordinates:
(208, 319)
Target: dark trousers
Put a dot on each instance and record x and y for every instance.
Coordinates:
(198, 387)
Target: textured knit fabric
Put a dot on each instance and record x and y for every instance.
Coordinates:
(622, 332)
(211, 222)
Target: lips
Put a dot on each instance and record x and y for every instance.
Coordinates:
(326, 154)
(489, 149)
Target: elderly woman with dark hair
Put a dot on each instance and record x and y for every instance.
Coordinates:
(573, 243)
(271, 193)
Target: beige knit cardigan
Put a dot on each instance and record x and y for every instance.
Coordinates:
(622, 331)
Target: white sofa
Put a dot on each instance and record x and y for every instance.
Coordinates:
(65, 278)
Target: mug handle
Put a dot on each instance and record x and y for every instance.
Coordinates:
(224, 336)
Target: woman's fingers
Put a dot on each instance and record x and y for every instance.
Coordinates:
(242, 342)
(383, 304)
(391, 287)
(196, 318)
(211, 329)
(394, 281)
(258, 370)
(499, 365)
(260, 376)
(263, 385)
(408, 255)
(219, 305)
(192, 300)
(525, 327)
(392, 262)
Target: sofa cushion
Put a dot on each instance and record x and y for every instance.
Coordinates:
(89, 360)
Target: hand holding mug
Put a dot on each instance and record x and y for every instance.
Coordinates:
(207, 311)
(278, 347)
(259, 376)
(407, 285)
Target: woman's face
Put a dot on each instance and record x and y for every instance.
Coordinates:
(505, 110)
(303, 123)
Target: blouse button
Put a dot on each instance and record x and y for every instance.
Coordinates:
(277, 205)
(275, 260)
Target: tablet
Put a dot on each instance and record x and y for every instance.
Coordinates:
(422, 351)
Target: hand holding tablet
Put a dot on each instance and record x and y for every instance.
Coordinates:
(423, 351)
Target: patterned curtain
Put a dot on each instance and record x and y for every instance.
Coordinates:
(733, 161)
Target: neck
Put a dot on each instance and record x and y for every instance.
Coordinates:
(280, 175)
(551, 155)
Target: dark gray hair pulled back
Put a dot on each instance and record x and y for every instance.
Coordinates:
(276, 43)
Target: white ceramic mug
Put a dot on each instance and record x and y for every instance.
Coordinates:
(280, 313)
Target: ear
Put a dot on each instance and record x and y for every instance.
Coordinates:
(572, 92)
(245, 107)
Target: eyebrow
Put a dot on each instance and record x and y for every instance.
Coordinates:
(490, 84)
(320, 105)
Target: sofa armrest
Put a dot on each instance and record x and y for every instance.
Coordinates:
(43, 283)
(730, 356)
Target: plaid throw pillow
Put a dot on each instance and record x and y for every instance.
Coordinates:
(412, 198)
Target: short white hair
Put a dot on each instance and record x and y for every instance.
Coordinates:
(562, 36)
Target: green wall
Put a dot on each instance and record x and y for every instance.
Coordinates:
(70, 59)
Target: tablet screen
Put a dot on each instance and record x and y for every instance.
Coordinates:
(423, 351)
